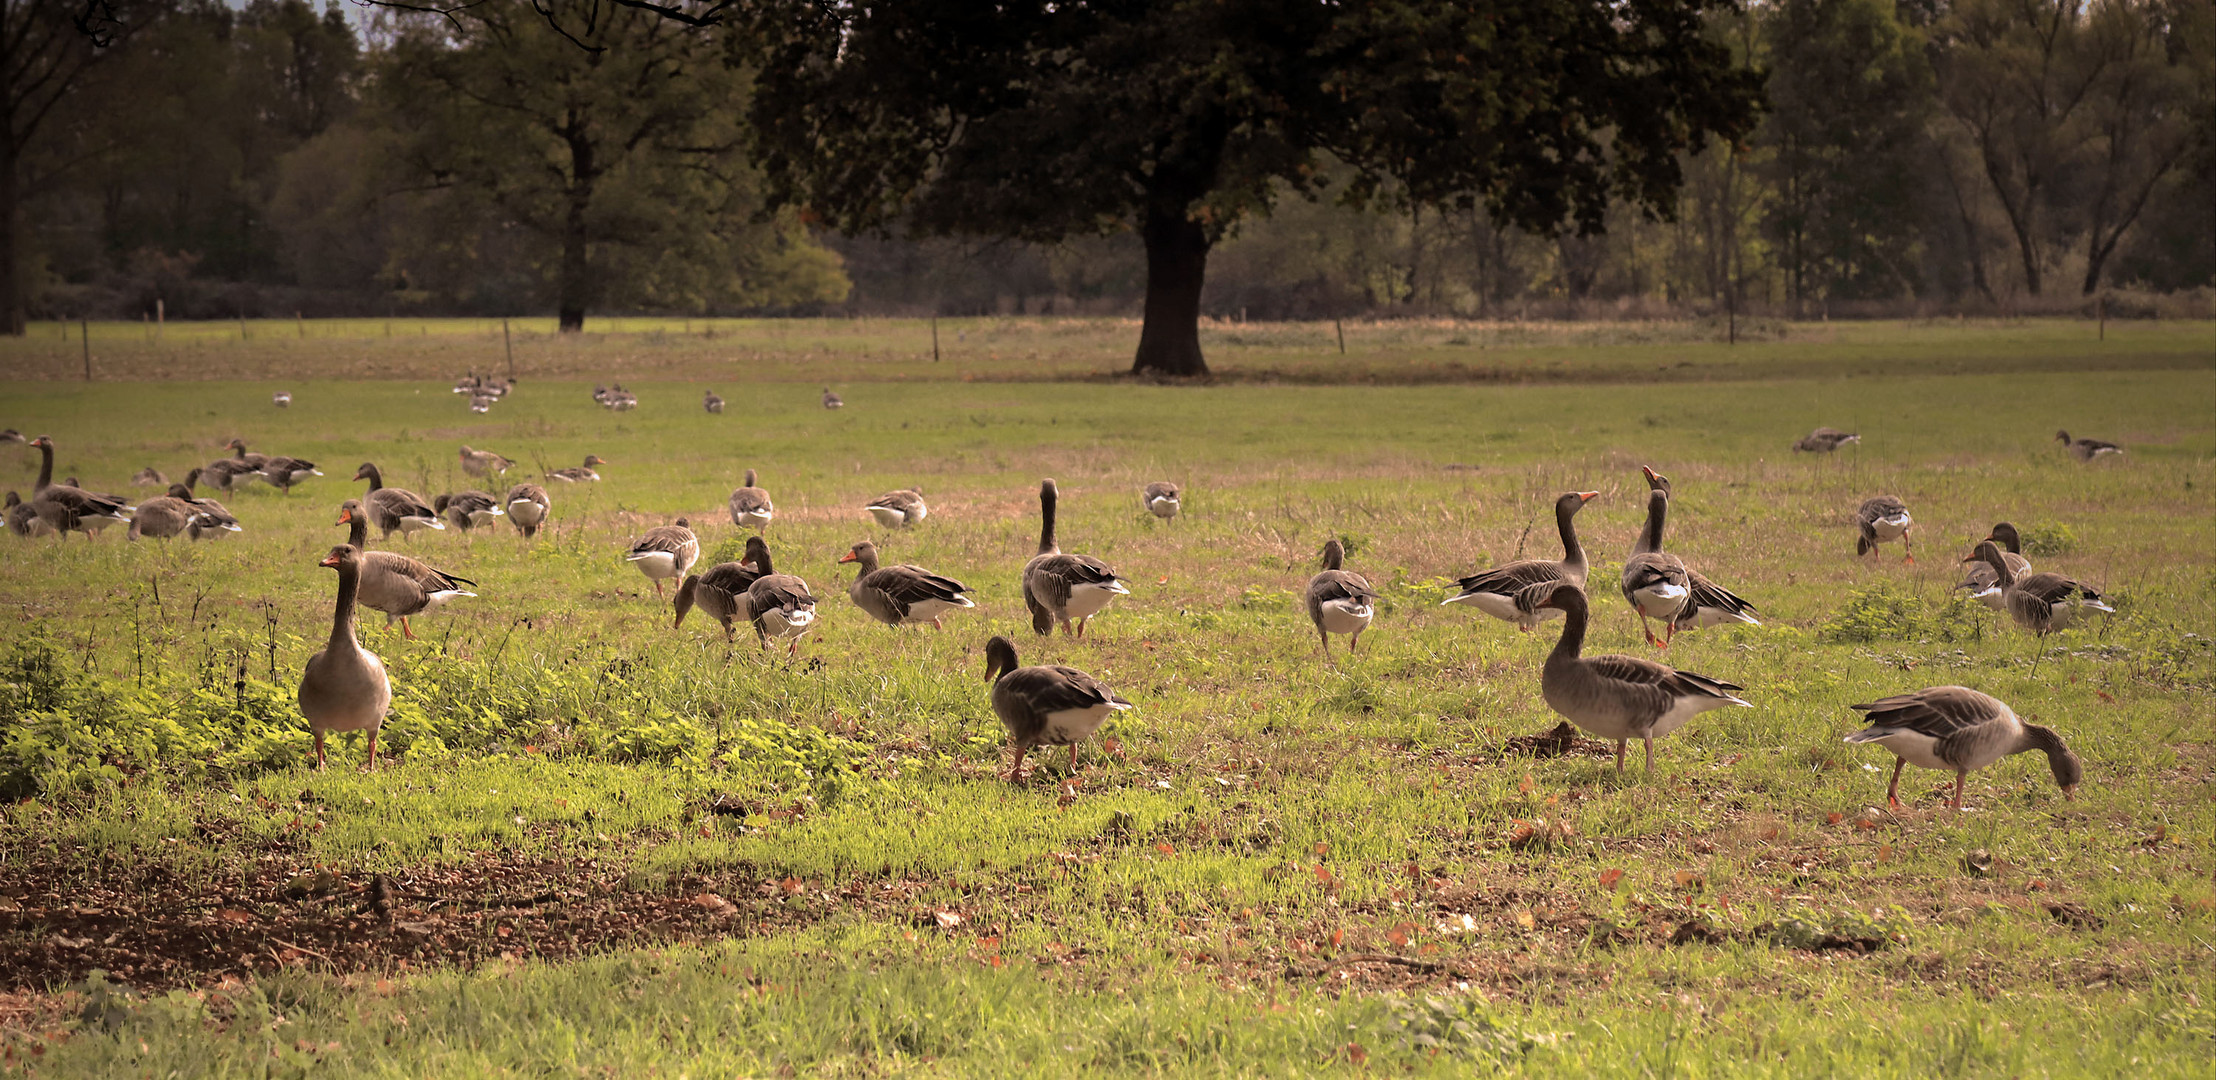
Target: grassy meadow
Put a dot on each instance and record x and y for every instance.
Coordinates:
(598, 844)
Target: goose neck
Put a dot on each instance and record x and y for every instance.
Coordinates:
(1658, 512)
(1565, 523)
(342, 615)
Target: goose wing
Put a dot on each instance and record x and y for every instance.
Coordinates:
(1329, 585)
(1055, 688)
(1513, 578)
(1936, 713)
(1708, 594)
(779, 592)
(906, 586)
(670, 538)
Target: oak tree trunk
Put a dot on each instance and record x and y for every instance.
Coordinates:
(11, 283)
(574, 287)
(1176, 267)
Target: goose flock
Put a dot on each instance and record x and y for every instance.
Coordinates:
(1613, 697)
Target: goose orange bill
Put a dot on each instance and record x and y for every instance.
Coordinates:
(849, 557)
(346, 517)
(1588, 496)
(330, 560)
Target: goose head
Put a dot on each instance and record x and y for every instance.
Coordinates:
(1000, 657)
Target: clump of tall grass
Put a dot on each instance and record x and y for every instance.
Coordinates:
(1884, 612)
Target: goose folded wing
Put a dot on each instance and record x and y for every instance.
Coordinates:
(1938, 712)
(2051, 588)
(1055, 688)
(768, 595)
(663, 539)
(730, 577)
(912, 585)
(1513, 578)
(1708, 594)
(401, 503)
(1340, 585)
(414, 572)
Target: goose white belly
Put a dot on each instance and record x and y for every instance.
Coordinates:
(1346, 616)
(1086, 600)
(1503, 607)
(1704, 617)
(655, 564)
(929, 610)
(889, 517)
(1163, 506)
(1913, 747)
(1609, 721)
(753, 519)
(421, 524)
(439, 599)
(1890, 528)
(92, 523)
(1076, 725)
(1659, 601)
(1993, 598)
(780, 623)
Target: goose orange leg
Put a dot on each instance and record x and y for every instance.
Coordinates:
(1015, 771)
(1957, 804)
(1893, 791)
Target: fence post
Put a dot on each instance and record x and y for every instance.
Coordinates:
(934, 337)
(1340, 328)
(84, 338)
(510, 345)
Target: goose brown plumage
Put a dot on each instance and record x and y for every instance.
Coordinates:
(582, 474)
(1883, 519)
(1494, 591)
(1063, 588)
(666, 552)
(1654, 581)
(395, 509)
(1047, 705)
(527, 507)
(393, 583)
(2041, 603)
(720, 591)
(1960, 730)
(750, 506)
(902, 594)
(468, 509)
(1824, 440)
(344, 687)
(23, 519)
(780, 605)
(1708, 604)
(2086, 449)
(712, 402)
(1982, 581)
(1164, 499)
(284, 472)
(67, 508)
(895, 509)
(483, 462)
(1339, 600)
(1618, 697)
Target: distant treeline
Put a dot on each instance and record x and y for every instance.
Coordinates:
(1915, 155)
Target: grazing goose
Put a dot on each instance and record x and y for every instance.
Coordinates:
(344, 687)
(779, 604)
(1065, 589)
(528, 508)
(468, 509)
(161, 517)
(1048, 705)
(1494, 592)
(1162, 499)
(2086, 449)
(149, 477)
(1710, 604)
(831, 400)
(1654, 581)
(23, 519)
(395, 509)
(897, 508)
(1984, 584)
(192, 478)
(281, 399)
(394, 583)
(750, 505)
(1957, 728)
(1824, 440)
(897, 595)
(1618, 697)
(234, 472)
(1339, 601)
(721, 590)
(622, 400)
(711, 402)
(484, 462)
(665, 552)
(2041, 603)
(1883, 519)
(67, 508)
(283, 472)
(208, 520)
(482, 403)
(580, 475)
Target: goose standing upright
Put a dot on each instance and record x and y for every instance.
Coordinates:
(895, 509)
(780, 604)
(1710, 604)
(1883, 519)
(582, 474)
(2041, 603)
(1494, 591)
(1654, 581)
(1959, 729)
(1339, 601)
(344, 687)
(665, 552)
(1163, 499)
(1980, 578)
(903, 594)
(395, 509)
(528, 508)
(1046, 705)
(67, 508)
(1060, 588)
(229, 474)
(1619, 697)
(2086, 449)
(721, 590)
(394, 583)
(750, 505)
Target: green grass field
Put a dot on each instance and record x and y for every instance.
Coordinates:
(1268, 867)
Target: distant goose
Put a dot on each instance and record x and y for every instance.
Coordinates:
(750, 505)
(2086, 449)
(582, 474)
(622, 401)
(481, 403)
(67, 508)
(395, 509)
(1959, 729)
(483, 462)
(599, 394)
(283, 472)
(281, 399)
(162, 517)
(239, 452)
(1710, 604)
(23, 519)
(149, 477)
(897, 508)
(831, 400)
(1654, 581)
(1162, 499)
(468, 384)
(2041, 603)
(528, 508)
(1339, 601)
(780, 605)
(1982, 581)
(1062, 588)
(1619, 697)
(1824, 440)
(720, 591)
(344, 687)
(192, 478)
(393, 583)
(208, 519)
(11, 435)
(1494, 591)
(711, 402)
(468, 509)
(1049, 705)
(665, 552)
(1881, 520)
(899, 595)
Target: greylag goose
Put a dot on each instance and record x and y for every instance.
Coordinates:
(711, 402)
(2041, 603)
(1339, 601)
(779, 604)
(482, 403)
(721, 590)
(2086, 449)
(1163, 499)
(1046, 705)
(344, 687)
(468, 384)
(1824, 440)
(1958, 729)
(666, 552)
(1494, 592)
(1619, 697)
(395, 509)
(149, 477)
(897, 595)
(468, 509)
(208, 520)
(229, 474)
(528, 508)
(23, 519)
(67, 508)
(239, 452)
(484, 462)
(1881, 520)
(750, 505)
(1710, 604)
(1060, 588)
(1654, 581)
(897, 508)
(1984, 584)
(283, 472)
(581, 474)
(599, 394)
(831, 400)
(394, 583)
(11, 435)
(281, 399)
(161, 517)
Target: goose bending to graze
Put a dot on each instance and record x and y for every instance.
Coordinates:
(583, 474)
(897, 595)
(528, 507)
(897, 508)
(1959, 729)
(1881, 520)
(149, 477)
(780, 605)
(1982, 581)
(344, 687)
(712, 402)
(2086, 449)
(1047, 705)
(394, 583)
(1618, 697)
(23, 519)
(1060, 588)
(162, 517)
(281, 399)
(468, 509)
(1709, 604)
(1824, 440)
(750, 505)
(831, 400)
(395, 509)
(1339, 601)
(483, 462)
(208, 520)
(1655, 582)
(1494, 591)
(2041, 603)
(665, 552)
(67, 508)
(1163, 499)
(283, 472)
(721, 590)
